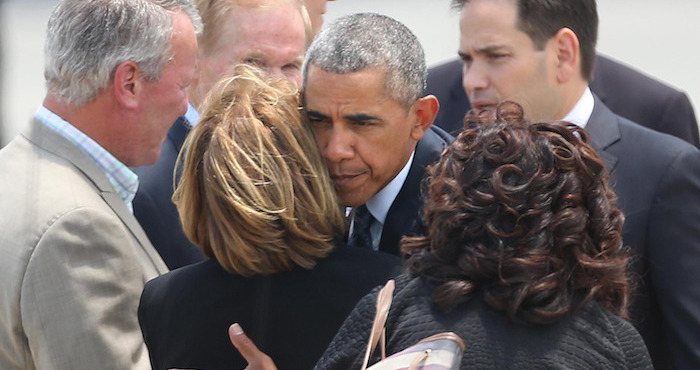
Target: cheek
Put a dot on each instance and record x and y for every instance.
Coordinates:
(209, 72)
(508, 82)
(319, 136)
(374, 155)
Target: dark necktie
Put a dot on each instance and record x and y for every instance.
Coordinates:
(361, 235)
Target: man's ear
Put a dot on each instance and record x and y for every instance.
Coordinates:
(568, 54)
(128, 84)
(424, 110)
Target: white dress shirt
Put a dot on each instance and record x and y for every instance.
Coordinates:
(380, 203)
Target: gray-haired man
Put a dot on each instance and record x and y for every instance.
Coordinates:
(74, 258)
(363, 83)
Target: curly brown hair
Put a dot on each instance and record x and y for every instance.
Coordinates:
(522, 213)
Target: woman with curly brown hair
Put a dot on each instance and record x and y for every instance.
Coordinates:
(523, 257)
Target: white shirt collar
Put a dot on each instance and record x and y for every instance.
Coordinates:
(582, 110)
(192, 115)
(380, 203)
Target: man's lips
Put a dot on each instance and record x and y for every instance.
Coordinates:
(345, 179)
(483, 104)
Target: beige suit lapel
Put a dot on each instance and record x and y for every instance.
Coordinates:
(51, 141)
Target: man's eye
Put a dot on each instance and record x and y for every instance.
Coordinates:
(316, 120)
(253, 61)
(363, 123)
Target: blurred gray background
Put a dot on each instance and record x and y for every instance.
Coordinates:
(658, 37)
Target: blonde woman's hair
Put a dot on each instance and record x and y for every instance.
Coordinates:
(254, 192)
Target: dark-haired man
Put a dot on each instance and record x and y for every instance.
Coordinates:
(540, 53)
(625, 90)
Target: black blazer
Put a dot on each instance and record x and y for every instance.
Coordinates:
(154, 208)
(627, 92)
(405, 214)
(657, 180)
(291, 316)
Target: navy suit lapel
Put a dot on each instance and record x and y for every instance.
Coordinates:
(178, 132)
(604, 129)
(405, 215)
(177, 135)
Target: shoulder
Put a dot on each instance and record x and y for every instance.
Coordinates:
(360, 263)
(598, 328)
(445, 72)
(432, 144)
(612, 132)
(644, 99)
(173, 282)
(623, 84)
(656, 145)
(439, 135)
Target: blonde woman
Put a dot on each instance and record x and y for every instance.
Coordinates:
(256, 197)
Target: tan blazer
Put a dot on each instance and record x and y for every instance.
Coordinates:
(73, 261)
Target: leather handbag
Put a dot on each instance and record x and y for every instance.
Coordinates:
(442, 351)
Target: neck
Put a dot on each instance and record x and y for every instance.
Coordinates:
(571, 94)
(94, 119)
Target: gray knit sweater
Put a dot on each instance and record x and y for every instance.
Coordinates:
(590, 338)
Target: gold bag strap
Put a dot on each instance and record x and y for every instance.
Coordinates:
(383, 303)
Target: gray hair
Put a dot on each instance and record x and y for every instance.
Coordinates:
(367, 40)
(87, 39)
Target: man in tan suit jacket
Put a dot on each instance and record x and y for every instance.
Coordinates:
(74, 259)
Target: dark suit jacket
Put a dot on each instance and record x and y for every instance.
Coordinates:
(154, 208)
(405, 214)
(625, 90)
(644, 100)
(657, 179)
(291, 316)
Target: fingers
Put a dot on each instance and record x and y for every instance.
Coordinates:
(257, 360)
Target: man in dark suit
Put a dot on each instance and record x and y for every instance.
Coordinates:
(626, 91)
(541, 56)
(234, 32)
(363, 92)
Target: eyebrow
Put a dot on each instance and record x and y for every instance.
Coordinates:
(482, 50)
(356, 117)
(255, 54)
(361, 117)
(315, 114)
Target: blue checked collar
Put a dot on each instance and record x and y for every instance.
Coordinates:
(124, 181)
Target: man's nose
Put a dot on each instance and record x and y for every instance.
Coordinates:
(474, 77)
(339, 145)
